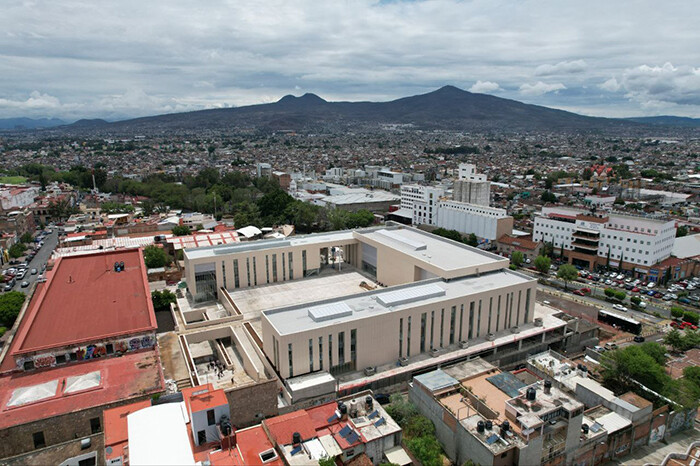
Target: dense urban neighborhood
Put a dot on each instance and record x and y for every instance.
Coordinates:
(390, 296)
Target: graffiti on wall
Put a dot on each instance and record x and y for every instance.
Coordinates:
(657, 433)
(45, 361)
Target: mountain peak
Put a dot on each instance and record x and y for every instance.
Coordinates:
(450, 90)
(306, 99)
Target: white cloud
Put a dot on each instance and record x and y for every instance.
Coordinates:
(540, 88)
(563, 67)
(655, 87)
(611, 85)
(484, 87)
(183, 56)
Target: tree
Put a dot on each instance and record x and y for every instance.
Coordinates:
(16, 250)
(675, 340)
(10, 305)
(517, 258)
(568, 273)
(427, 450)
(181, 230)
(162, 299)
(155, 257)
(691, 317)
(26, 238)
(635, 300)
(542, 264)
(400, 409)
(148, 207)
(327, 461)
(548, 196)
(547, 249)
(472, 240)
(677, 311)
(681, 231)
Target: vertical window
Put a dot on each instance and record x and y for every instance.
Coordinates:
(303, 263)
(330, 351)
(95, 425)
(498, 313)
(320, 353)
(211, 417)
(223, 272)
(39, 441)
(353, 347)
(247, 268)
(470, 335)
(401, 337)
(341, 348)
(478, 321)
(505, 311)
(488, 329)
(461, 320)
(284, 268)
(291, 364)
(423, 323)
(442, 327)
(408, 339)
(453, 316)
(274, 268)
(510, 311)
(267, 268)
(527, 304)
(202, 437)
(276, 352)
(236, 282)
(432, 328)
(311, 355)
(255, 272)
(291, 265)
(517, 314)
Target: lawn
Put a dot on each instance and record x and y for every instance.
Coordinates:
(12, 179)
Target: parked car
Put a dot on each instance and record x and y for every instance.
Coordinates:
(585, 290)
(35, 271)
(610, 346)
(684, 300)
(24, 284)
(382, 398)
(635, 290)
(651, 285)
(619, 307)
(638, 339)
(579, 293)
(599, 349)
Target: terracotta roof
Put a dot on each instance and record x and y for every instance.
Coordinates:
(85, 300)
(282, 427)
(521, 243)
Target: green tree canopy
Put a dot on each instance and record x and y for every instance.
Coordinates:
(542, 264)
(155, 257)
(567, 273)
(162, 299)
(517, 258)
(16, 250)
(10, 305)
(181, 230)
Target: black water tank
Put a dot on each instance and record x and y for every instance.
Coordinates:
(369, 402)
(584, 368)
(547, 386)
(489, 425)
(584, 428)
(121, 265)
(505, 427)
(531, 394)
(343, 409)
(480, 427)
(296, 438)
(116, 266)
(226, 428)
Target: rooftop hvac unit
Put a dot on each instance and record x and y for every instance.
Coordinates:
(403, 361)
(370, 371)
(514, 329)
(538, 322)
(85, 443)
(434, 352)
(490, 337)
(464, 344)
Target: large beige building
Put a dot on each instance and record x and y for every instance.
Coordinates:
(440, 295)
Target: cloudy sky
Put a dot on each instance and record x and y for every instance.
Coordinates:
(116, 59)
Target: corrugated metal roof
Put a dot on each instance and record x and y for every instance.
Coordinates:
(612, 422)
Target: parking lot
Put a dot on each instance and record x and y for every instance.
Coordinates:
(22, 270)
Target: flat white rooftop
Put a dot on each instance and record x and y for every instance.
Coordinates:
(432, 249)
(295, 319)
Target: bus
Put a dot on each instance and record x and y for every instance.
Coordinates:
(620, 321)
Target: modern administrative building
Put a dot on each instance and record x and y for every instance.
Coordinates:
(421, 294)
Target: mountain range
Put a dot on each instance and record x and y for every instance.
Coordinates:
(29, 123)
(447, 108)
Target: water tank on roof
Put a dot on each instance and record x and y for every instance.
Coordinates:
(584, 428)
(505, 427)
(531, 394)
(296, 438)
(489, 425)
(369, 403)
(480, 427)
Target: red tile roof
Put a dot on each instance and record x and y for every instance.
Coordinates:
(85, 300)
(520, 243)
(282, 427)
(132, 375)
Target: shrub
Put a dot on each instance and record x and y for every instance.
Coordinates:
(691, 317)
(10, 305)
(155, 257)
(677, 311)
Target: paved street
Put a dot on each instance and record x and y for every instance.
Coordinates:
(42, 256)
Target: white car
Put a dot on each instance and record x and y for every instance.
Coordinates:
(651, 285)
(619, 307)
(620, 277)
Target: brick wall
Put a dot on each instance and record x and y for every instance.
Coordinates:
(251, 404)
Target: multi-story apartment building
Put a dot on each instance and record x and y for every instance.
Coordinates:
(592, 240)
(489, 223)
(422, 201)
